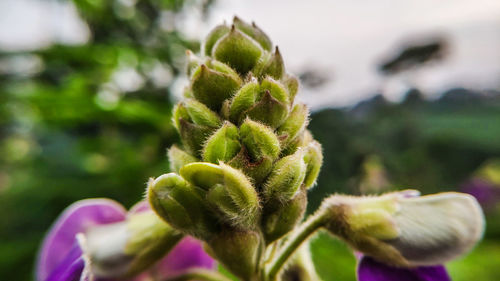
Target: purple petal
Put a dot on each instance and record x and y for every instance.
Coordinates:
(485, 192)
(186, 254)
(371, 270)
(70, 268)
(139, 207)
(74, 219)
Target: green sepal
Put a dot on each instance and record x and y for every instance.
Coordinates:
(268, 110)
(279, 218)
(244, 99)
(255, 32)
(302, 140)
(200, 114)
(214, 82)
(178, 158)
(181, 205)
(243, 195)
(294, 124)
(274, 66)
(195, 123)
(193, 136)
(259, 140)
(202, 174)
(313, 157)
(276, 89)
(214, 36)
(218, 197)
(256, 170)
(286, 177)
(223, 145)
(238, 50)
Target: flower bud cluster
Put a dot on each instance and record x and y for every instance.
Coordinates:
(247, 159)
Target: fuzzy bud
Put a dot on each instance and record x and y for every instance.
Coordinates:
(313, 157)
(195, 122)
(236, 190)
(255, 32)
(267, 103)
(259, 140)
(214, 36)
(178, 158)
(180, 204)
(285, 179)
(238, 50)
(404, 229)
(213, 82)
(294, 124)
(223, 145)
(281, 217)
(270, 65)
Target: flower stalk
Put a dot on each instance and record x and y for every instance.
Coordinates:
(239, 184)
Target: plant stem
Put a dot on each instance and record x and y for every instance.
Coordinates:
(199, 274)
(306, 229)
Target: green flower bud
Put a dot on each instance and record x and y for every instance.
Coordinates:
(202, 174)
(255, 32)
(214, 82)
(223, 145)
(181, 205)
(259, 140)
(195, 122)
(294, 124)
(285, 179)
(267, 103)
(200, 114)
(243, 195)
(244, 99)
(280, 218)
(271, 65)
(313, 157)
(238, 50)
(178, 158)
(127, 248)
(239, 251)
(214, 36)
(403, 229)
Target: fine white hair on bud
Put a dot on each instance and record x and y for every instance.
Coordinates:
(404, 229)
(437, 228)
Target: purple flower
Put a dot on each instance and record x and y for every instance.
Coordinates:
(61, 257)
(486, 192)
(371, 270)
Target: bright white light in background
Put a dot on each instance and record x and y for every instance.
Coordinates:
(32, 24)
(348, 37)
(351, 36)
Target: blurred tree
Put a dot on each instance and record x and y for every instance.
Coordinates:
(90, 120)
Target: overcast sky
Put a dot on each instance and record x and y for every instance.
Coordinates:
(344, 37)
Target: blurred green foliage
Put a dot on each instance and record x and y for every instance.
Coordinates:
(93, 120)
(432, 146)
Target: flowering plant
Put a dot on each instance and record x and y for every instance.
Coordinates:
(239, 186)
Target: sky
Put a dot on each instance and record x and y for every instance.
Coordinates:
(343, 38)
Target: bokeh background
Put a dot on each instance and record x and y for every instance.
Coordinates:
(405, 94)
